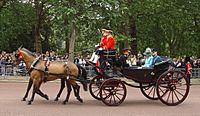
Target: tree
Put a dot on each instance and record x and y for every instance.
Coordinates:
(16, 20)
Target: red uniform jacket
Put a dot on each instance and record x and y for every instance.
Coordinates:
(188, 68)
(107, 42)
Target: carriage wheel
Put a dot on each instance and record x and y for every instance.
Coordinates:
(172, 88)
(107, 68)
(149, 91)
(94, 87)
(113, 92)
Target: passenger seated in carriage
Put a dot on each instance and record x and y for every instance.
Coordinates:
(107, 43)
(151, 57)
(124, 58)
(148, 58)
(156, 57)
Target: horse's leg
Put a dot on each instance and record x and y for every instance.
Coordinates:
(36, 86)
(69, 89)
(76, 88)
(33, 95)
(61, 89)
(30, 83)
(39, 92)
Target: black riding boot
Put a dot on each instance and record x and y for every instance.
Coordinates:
(45, 74)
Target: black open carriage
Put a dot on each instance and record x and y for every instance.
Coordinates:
(161, 82)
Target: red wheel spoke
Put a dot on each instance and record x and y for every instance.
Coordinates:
(110, 98)
(175, 90)
(112, 92)
(98, 93)
(107, 96)
(164, 86)
(96, 90)
(95, 87)
(117, 97)
(162, 90)
(119, 89)
(150, 91)
(172, 97)
(154, 91)
(114, 99)
(176, 96)
(104, 93)
(168, 96)
(180, 88)
(146, 88)
(120, 94)
(179, 93)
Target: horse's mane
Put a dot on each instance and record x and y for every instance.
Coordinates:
(29, 52)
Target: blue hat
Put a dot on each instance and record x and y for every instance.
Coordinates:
(147, 51)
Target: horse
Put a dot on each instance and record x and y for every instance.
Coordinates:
(66, 71)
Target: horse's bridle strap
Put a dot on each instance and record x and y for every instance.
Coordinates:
(34, 64)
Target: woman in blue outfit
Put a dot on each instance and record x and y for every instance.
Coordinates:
(148, 58)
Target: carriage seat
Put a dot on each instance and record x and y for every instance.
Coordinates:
(163, 64)
(139, 67)
(109, 53)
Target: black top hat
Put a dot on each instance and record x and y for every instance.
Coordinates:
(126, 49)
(107, 29)
(154, 50)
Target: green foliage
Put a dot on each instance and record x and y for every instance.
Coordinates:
(16, 21)
(173, 27)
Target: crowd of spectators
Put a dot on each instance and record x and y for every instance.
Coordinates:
(8, 59)
(180, 62)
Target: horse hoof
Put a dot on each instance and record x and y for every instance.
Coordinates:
(29, 102)
(56, 99)
(46, 97)
(64, 102)
(24, 99)
(79, 99)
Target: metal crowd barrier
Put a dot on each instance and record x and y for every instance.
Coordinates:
(10, 70)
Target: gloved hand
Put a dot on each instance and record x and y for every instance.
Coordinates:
(100, 48)
(97, 45)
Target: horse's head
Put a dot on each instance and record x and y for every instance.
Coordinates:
(18, 56)
(22, 54)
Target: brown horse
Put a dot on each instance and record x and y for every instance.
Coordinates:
(66, 71)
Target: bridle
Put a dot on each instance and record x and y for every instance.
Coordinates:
(19, 56)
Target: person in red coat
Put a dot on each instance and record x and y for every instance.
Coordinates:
(188, 68)
(107, 43)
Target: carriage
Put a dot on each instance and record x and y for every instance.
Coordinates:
(161, 82)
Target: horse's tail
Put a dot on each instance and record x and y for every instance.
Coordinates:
(82, 76)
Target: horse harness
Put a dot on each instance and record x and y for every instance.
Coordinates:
(46, 73)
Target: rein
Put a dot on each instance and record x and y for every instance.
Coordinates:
(56, 74)
(34, 64)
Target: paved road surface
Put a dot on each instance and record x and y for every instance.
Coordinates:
(134, 105)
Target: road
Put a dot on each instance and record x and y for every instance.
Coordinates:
(135, 103)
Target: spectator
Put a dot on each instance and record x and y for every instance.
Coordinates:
(176, 63)
(198, 63)
(133, 60)
(82, 61)
(188, 68)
